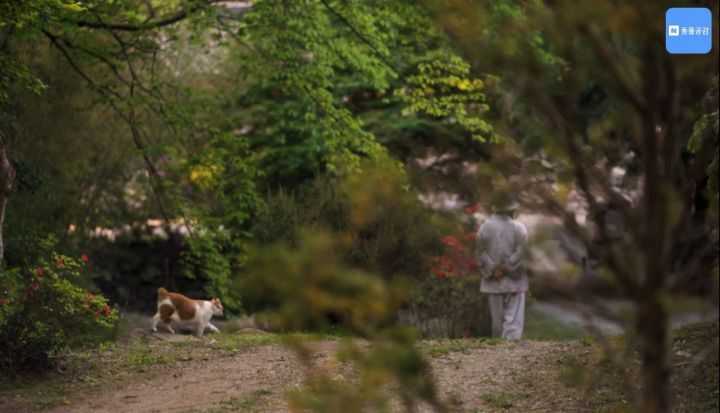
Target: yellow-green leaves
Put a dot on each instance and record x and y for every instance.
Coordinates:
(443, 88)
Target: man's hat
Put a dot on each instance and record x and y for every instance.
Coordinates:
(502, 201)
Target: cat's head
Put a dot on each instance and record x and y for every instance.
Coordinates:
(217, 308)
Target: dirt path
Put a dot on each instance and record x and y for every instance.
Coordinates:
(516, 376)
(505, 376)
(200, 384)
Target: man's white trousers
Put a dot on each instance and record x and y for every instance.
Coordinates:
(507, 311)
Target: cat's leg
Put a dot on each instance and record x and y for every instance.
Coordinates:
(154, 322)
(212, 328)
(200, 329)
(167, 323)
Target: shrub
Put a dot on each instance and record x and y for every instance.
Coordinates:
(383, 227)
(380, 227)
(43, 313)
(449, 303)
(449, 307)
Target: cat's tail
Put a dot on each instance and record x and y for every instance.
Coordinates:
(162, 292)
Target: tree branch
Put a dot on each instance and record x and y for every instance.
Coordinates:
(607, 58)
(622, 274)
(149, 23)
(129, 119)
(362, 38)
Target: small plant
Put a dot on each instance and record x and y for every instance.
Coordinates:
(42, 313)
(440, 348)
(499, 400)
(449, 307)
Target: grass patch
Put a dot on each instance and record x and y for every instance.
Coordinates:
(499, 400)
(573, 372)
(437, 348)
(236, 342)
(542, 327)
(143, 355)
(695, 361)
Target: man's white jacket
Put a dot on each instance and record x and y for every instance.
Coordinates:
(501, 240)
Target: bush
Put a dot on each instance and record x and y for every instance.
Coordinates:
(43, 313)
(449, 303)
(380, 227)
(449, 307)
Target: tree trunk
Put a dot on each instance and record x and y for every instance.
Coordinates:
(652, 326)
(652, 317)
(7, 176)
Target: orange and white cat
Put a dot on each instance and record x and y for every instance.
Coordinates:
(186, 312)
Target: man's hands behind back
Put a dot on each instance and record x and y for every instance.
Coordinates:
(498, 272)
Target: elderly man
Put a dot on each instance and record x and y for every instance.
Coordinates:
(500, 243)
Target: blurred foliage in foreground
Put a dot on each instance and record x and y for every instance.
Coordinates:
(378, 226)
(314, 288)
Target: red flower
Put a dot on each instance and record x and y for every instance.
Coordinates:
(97, 314)
(86, 303)
(35, 285)
(40, 272)
(60, 262)
(3, 301)
(107, 310)
(472, 209)
(84, 257)
(89, 294)
(28, 293)
(452, 242)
